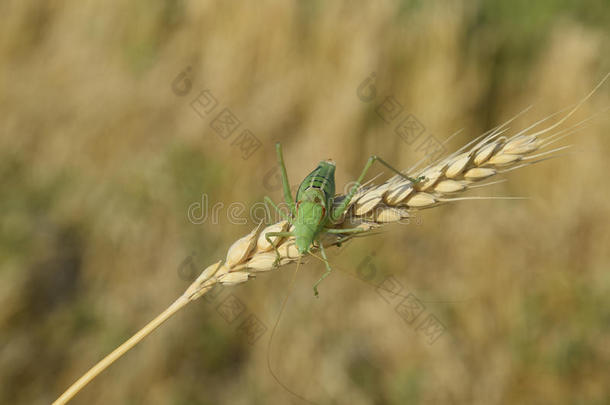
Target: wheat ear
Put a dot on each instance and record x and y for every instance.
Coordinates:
(373, 205)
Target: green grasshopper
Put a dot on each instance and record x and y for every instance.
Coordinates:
(313, 214)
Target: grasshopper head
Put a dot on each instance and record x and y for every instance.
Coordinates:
(303, 243)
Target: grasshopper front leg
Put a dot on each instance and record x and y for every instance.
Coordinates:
(275, 242)
(278, 235)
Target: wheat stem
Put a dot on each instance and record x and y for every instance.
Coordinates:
(121, 350)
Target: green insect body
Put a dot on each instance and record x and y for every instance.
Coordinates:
(314, 210)
(314, 203)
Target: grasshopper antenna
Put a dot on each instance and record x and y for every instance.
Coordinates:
(390, 291)
(277, 321)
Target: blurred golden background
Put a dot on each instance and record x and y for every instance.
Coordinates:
(102, 153)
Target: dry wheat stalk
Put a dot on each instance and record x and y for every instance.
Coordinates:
(374, 205)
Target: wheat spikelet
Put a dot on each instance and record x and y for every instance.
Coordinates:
(388, 202)
(371, 207)
(375, 205)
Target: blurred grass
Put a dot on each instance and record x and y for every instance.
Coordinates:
(100, 160)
